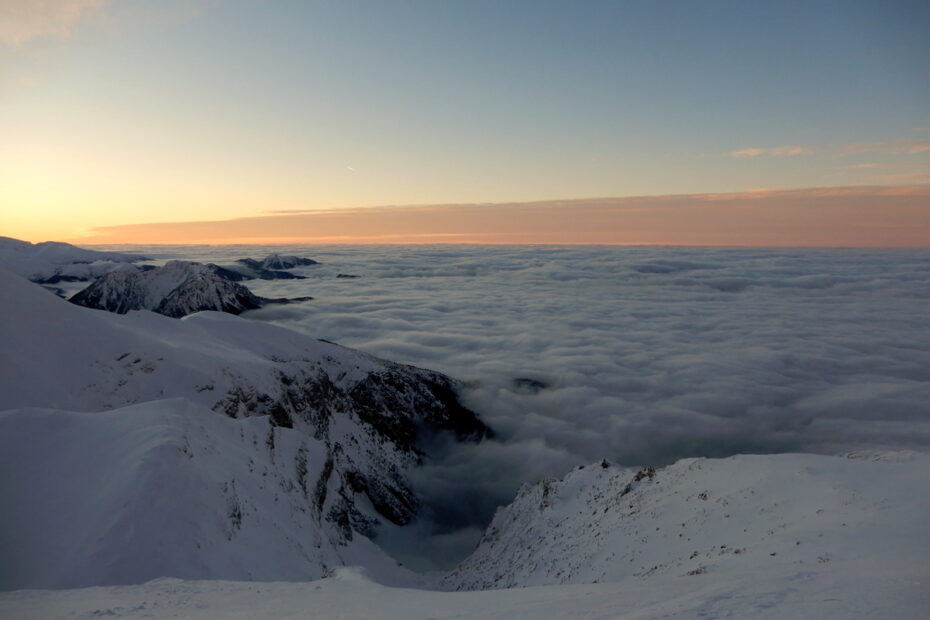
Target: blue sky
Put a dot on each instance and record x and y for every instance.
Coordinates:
(157, 111)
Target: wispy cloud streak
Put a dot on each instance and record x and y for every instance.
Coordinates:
(890, 147)
(22, 21)
(909, 147)
(777, 151)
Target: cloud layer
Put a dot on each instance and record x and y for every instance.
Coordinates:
(872, 216)
(647, 354)
(24, 20)
(778, 151)
(891, 147)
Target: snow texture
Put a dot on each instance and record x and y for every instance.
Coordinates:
(711, 519)
(176, 289)
(844, 592)
(368, 414)
(166, 488)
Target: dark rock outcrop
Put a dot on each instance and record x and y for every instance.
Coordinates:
(177, 289)
(272, 266)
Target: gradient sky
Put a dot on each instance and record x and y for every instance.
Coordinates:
(126, 112)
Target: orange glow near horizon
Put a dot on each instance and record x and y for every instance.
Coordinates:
(869, 216)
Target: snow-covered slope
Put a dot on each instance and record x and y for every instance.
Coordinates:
(769, 593)
(52, 261)
(177, 289)
(166, 488)
(367, 413)
(711, 519)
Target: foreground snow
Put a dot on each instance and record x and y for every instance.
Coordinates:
(845, 592)
(716, 517)
(167, 488)
(210, 447)
(806, 536)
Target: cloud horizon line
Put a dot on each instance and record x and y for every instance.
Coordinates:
(888, 147)
(841, 216)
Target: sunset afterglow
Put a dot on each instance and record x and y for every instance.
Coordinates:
(118, 113)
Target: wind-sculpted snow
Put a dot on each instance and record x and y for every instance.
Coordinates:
(710, 519)
(371, 415)
(774, 593)
(773, 537)
(166, 489)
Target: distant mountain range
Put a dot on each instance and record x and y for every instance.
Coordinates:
(175, 289)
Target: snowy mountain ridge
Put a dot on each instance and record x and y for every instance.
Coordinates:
(53, 261)
(176, 289)
(367, 414)
(709, 519)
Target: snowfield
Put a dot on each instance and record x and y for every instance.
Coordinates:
(808, 537)
(843, 593)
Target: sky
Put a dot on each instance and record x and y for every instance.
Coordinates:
(120, 114)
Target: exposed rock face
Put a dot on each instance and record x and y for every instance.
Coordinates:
(249, 269)
(390, 405)
(281, 261)
(363, 416)
(177, 289)
(272, 267)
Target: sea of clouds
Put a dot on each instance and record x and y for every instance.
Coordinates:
(641, 355)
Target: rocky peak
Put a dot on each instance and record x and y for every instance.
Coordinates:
(177, 289)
